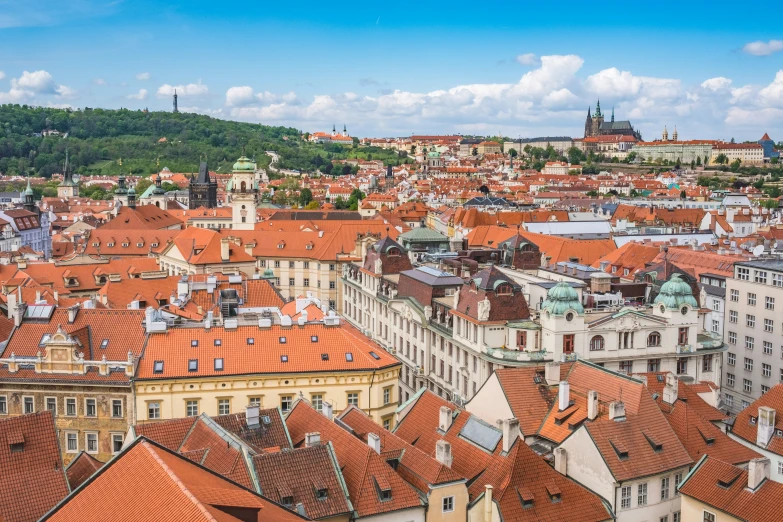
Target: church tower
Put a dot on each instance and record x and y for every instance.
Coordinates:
(175, 101)
(29, 198)
(598, 119)
(243, 191)
(121, 193)
(588, 124)
(674, 134)
(68, 188)
(665, 135)
(158, 195)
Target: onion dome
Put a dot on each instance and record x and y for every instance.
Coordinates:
(244, 164)
(561, 298)
(675, 292)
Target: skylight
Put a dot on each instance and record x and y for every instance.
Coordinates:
(218, 342)
(284, 358)
(194, 343)
(282, 340)
(104, 343)
(158, 368)
(251, 340)
(349, 356)
(313, 338)
(193, 365)
(324, 356)
(219, 365)
(375, 356)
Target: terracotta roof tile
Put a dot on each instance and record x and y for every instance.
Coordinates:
(81, 468)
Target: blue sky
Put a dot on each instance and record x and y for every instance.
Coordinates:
(389, 69)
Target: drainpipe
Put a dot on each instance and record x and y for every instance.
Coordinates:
(369, 393)
(487, 503)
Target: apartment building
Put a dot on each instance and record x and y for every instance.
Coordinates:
(752, 330)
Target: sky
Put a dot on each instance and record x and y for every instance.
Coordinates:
(387, 69)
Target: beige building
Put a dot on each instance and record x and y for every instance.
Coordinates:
(746, 153)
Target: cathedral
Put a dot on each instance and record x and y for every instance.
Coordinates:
(596, 126)
(202, 191)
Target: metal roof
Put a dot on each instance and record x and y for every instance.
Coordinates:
(482, 434)
(39, 311)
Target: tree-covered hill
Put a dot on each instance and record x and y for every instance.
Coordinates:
(98, 138)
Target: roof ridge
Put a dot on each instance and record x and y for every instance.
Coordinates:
(190, 496)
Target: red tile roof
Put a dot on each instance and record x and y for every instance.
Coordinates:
(33, 479)
(81, 468)
(143, 217)
(148, 482)
(303, 349)
(747, 430)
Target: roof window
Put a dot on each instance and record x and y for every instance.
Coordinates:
(158, 367)
(194, 343)
(251, 340)
(313, 338)
(193, 365)
(324, 356)
(104, 343)
(375, 356)
(219, 365)
(284, 358)
(282, 340)
(218, 342)
(349, 356)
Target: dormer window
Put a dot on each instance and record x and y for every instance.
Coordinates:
(287, 501)
(109, 245)
(504, 289)
(125, 245)
(383, 488)
(393, 252)
(321, 494)
(153, 245)
(526, 497)
(281, 245)
(96, 244)
(139, 245)
(309, 246)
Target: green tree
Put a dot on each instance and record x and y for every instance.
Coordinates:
(313, 205)
(698, 161)
(721, 159)
(575, 156)
(770, 204)
(475, 151)
(305, 197)
(704, 181)
(512, 152)
(591, 193)
(773, 192)
(631, 157)
(683, 195)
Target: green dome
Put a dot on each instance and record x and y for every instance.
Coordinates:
(244, 164)
(268, 274)
(131, 191)
(675, 292)
(433, 154)
(562, 298)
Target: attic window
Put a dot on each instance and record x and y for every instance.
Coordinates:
(554, 492)
(218, 342)
(620, 449)
(96, 244)
(753, 420)
(219, 365)
(104, 343)
(707, 439)
(109, 244)
(504, 289)
(283, 358)
(655, 444)
(193, 365)
(394, 252)
(154, 245)
(349, 356)
(194, 343)
(125, 245)
(44, 339)
(282, 340)
(139, 245)
(158, 367)
(281, 245)
(313, 338)
(526, 496)
(309, 246)
(251, 340)
(17, 447)
(287, 501)
(324, 356)
(375, 356)
(383, 488)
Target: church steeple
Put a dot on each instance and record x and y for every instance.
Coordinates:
(598, 108)
(29, 197)
(612, 114)
(674, 134)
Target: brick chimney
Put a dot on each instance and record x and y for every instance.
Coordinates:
(443, 453)
(758, 472)
(510, 428)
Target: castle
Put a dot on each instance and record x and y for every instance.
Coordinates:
(596, 126)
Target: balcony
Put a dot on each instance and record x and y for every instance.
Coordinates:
(504, 354)
(444, 328)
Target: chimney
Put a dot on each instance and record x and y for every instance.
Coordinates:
(327, 410)
(72, 311)
(592, 405)
(443, 453)
(511, 432)
(224, 249)
(312, 439)
(563, 396)
(182, 287)
(561, 460)
(374, 441)
(252, 415)
(758, 472)
(552, 373)
(765, 426)
(444, 422)
(616, 411)
(487, 503)
(11, 301)
(670, 389)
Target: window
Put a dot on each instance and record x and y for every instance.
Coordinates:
(218, 342)
(743, 274)
(664, 518)
(665, 488)
(306, 264)
(306, 281)
(733, 315)
(760, 277)
(153, 410)
(277, 264)
(641, 494)
(194, 343)
(677, 480)
(224, 406)
(158, 367)
(748, 364)
(715, 326)
(70, 407)
(331, 285)
(654, 339)
(116, 442)
(29, 405)
(777, 279)
(729, 400)
(191, 408)
(3, 405)
(682, 366)
(731, 359)
(747, 385)
(387, 395)
(653, 365)
(448, 504)
(626, 367)
(568, 343)
(331, 267)
(318, 402)
(769, 303)
(290, 264)
(706, 363)
(768, 325)
(682, 337)
(749, 342)
(90, 408)
(353, 399)
(751, 299)
(219, 365)
(104, 344)
(71, 442)
(596, 343)
(116, 408)
(750, 321)
(51, 405)
(291, 281)
(766, 370)
(286, 402)
(387, 423)
(729, 379)
(734, 296)
(625, 497)
(92, 442)
(764, 389)
(708, 517)
(732, 337)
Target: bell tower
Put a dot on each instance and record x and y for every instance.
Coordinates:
(243, 192)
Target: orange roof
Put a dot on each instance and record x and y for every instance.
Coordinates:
(747, 430)
(142, 217)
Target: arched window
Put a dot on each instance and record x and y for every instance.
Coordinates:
(527, 247)
(596, 343)
(243, 186)
(654, 339)
(504, 289)
(393, 252)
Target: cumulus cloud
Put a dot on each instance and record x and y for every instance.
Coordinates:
(619, 84)
(528, 59)
(716, 84)
(141, 95)
(191, 89)
(772, 94)
(759, 48)
(239, 96)
(143, 76)
(26, 87)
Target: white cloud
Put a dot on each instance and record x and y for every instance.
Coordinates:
(15, 95)
(65, 92)
(528, 59)
(760, 48)
(191, 89)
(99, 81)
(2, 75)
(141, 95)
(772, 94)
(37, 82)
(239, 96)
(716, 84)
(623, 84)
(143, 76)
